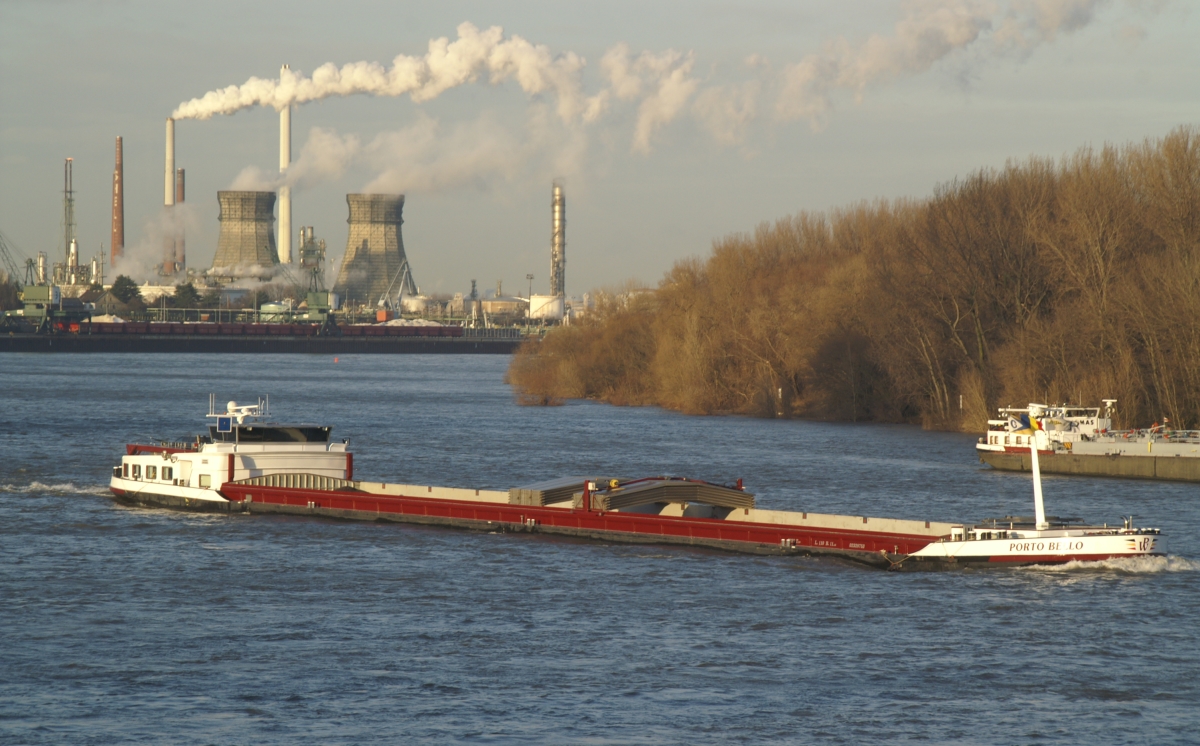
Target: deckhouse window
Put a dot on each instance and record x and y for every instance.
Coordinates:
(137, 471)
(168, 473)
(125, 470)
(1005, 440)
(151, 472)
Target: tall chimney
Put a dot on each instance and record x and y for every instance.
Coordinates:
(284, 240)
(169, 194)
(68, 209)
(180, 257)
(558, 241)
(118, 214)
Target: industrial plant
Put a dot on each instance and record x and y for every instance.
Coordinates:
(375, 283)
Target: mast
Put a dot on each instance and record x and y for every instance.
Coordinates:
(1039, 508)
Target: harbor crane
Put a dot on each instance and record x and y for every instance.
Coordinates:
(402, 277)
(10, 263)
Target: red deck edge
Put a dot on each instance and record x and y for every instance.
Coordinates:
(599, 522)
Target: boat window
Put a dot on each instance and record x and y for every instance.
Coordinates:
(1005, 440)
(272, 434)
(206, 480)
(125, 470)
(168, 473)
(151, 472)
(137, 471)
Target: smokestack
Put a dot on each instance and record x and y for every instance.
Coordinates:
(68, 208)
(118, 214)
(284, 241)
(180, 257)
(558, 241)
(169, 194)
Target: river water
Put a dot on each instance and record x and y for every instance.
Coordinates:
(135, 625)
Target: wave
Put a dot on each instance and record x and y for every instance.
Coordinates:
(65, 488)
(1131, 565)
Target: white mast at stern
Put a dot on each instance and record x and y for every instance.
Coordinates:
(1039, 507)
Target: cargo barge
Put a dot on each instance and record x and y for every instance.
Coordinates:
(245, 465)
(260, 337)
(1080, 441)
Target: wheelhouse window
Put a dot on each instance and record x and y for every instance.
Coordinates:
(271, 434)
(125, 471)
(151, 472)
(168, 473)
(137, 471)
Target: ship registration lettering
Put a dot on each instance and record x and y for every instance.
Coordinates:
(1039, 546)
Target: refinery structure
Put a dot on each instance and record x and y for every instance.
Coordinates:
(374, 282)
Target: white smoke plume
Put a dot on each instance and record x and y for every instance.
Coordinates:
(662, 82)
(325, 156)
(141, 260)
(930, 31)
(661, 86)
(447, 64)
(428, 156)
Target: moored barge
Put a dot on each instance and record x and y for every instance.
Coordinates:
(1080, 441)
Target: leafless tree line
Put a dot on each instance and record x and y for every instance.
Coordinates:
(1046, 281)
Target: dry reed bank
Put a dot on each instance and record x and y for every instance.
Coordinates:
(1043, 281)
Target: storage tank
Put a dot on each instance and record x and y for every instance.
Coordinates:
(546, 307)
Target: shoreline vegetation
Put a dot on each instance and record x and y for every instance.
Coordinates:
(1052, 281)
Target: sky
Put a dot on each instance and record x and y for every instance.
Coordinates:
(671, 124)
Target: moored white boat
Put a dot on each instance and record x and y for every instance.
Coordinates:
(1080, 440)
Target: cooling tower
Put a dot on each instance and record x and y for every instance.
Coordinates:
(247, 237)
(374, 250)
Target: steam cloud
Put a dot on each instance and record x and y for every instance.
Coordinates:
(141, 259)
(660, 86)
(928, 33)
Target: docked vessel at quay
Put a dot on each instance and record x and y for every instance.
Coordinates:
(1081, 441)
(246, 464)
